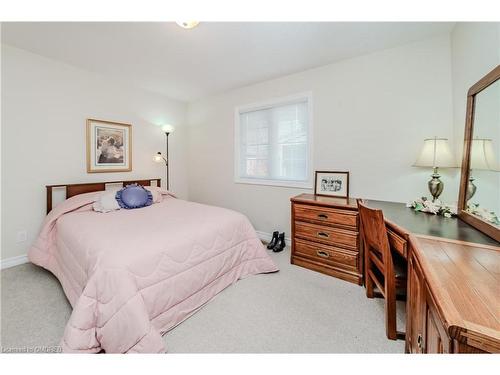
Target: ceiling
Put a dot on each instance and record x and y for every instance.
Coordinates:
(213, 57)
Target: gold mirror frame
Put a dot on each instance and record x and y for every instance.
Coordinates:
(471, 219)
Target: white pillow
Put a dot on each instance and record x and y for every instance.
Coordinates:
(106, 202)
(156, 191)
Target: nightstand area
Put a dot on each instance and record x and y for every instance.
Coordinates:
(325, 236)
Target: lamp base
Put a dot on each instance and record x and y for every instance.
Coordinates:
(435, 185)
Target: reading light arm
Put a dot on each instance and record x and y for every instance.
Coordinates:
(158, 154)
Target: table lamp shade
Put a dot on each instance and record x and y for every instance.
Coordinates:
(436, 152)
(482, 155)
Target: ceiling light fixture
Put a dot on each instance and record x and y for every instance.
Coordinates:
(187, 24)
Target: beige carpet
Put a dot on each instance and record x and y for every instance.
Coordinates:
(292, 311)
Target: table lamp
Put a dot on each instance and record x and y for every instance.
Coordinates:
(482, 157)
(436, 153)
(159, 157)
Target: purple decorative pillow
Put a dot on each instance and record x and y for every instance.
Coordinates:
(134, 196)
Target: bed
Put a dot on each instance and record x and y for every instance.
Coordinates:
(132, 275)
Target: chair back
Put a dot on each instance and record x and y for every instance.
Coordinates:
(375, 236)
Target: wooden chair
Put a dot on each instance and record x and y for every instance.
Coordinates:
(382, 270)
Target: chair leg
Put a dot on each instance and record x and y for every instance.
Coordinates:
(369, 287)
(390, 311)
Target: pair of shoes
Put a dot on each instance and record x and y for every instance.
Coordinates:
(277, 243)
(273, 241)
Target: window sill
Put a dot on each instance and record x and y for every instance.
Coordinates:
(286, 184)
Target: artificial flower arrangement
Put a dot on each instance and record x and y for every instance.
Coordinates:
(483, 213)
(437, 207)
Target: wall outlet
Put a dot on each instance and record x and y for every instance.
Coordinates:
(22, 236)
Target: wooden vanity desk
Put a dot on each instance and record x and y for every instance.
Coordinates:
(453, 296)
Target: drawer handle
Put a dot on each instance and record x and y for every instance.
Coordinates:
(322, 254)
(323, 234)
(323, 216)
(419, 341)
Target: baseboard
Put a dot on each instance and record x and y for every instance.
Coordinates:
(266, 237)
(14, 261)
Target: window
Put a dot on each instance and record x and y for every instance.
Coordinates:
(273, 143)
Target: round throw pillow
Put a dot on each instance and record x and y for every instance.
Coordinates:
(134, 196)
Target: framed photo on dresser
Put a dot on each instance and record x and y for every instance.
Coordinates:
(331, 184)
(109, 146)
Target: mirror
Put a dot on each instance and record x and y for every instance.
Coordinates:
(479, 200)
(484, 179)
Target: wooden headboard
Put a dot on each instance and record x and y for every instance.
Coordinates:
(89, 187)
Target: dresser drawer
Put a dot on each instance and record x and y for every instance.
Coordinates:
(326, 235)
(329, 255)
(326, 215)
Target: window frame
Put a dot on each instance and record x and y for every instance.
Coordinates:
(308, 184)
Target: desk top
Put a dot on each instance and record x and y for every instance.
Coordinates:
(430, 225)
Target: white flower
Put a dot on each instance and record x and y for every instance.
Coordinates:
(432, 207)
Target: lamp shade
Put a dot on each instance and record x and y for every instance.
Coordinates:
(436, 152)
(168, 128)
(187, 24)
(482, 155)
(158, 157)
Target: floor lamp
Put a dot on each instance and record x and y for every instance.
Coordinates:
(159, 157)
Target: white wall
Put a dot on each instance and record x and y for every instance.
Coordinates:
(475, 51)
(371, 115)
(44, 107)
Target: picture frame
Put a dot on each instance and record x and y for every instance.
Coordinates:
(331, 184)
(109, 146)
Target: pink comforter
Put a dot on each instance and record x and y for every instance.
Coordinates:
(131, 275)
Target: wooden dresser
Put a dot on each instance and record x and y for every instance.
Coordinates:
(325, 236)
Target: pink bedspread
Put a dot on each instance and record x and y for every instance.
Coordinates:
(131, 275)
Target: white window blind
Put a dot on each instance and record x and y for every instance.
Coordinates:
(274, 143)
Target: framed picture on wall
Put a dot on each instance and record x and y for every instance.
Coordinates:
(109, 146)
(331, 184)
